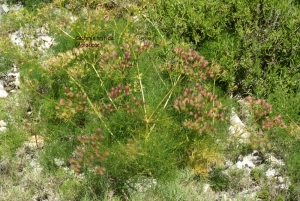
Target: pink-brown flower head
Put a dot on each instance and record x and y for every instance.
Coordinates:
(105, 57)
(204, 64)
(127, 55)
(62, 101)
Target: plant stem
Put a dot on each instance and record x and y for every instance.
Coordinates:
(214, 100)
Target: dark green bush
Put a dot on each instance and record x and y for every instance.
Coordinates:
(194, 21)
(30, 4)
(256, 43)
(218, 180)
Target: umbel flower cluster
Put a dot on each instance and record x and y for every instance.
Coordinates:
(89, 154)
(62, 59)
(192, 64)
(260, 111)
(73, 103)
(120, 96)
(124, 57)
(202, 108)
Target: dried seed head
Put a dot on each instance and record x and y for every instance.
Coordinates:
(73, 161)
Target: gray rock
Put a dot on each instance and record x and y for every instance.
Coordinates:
(73, 19)
(140, 183)
(5, 8)
(15, 69)
(46, 38)
(17, 37)
(280, 180)
(16, 79)
(42, 42)
(33, 43)
(9, 88)
(274, 161)
(2, 123)
(3, 93)
(249, 161)
(17, 7)
(271, 173)
(4, 166)
(58, 162)
(238, 128)
(206, 188)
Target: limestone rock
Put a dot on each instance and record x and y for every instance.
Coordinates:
(3, 93)
(238, 128)
(271, 172)
(4, 166)
(247, 163)
(17, 38)
(16, 7)
(46, 38)
(10, 82)
(5, 8)
(16, 78)
(58, 162)
(140, 183)
(2, 123)
(42, 42)
(274, 161)
(73, 19)
(135, 18)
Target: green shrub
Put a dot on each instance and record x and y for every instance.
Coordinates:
(256, 43)
(70, 189)
(218, 180)
(194, 21)
(112, 88)
(30, 4)
(263, 194)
